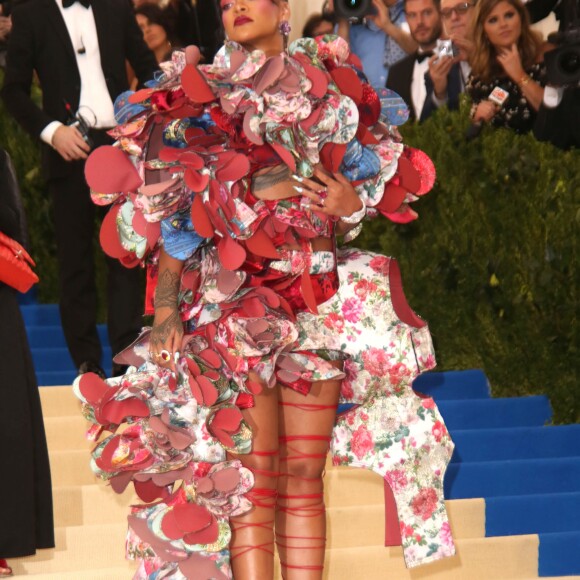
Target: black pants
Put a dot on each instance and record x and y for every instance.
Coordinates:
(75, 220)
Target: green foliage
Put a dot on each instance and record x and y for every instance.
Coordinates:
(492, 261)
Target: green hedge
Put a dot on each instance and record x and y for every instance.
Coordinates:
(491, 262)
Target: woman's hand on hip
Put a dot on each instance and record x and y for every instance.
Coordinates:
(333, 194)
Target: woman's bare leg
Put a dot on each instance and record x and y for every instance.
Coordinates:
(252, 546)
(305, 429)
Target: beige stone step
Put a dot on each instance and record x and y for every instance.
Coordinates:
(99, 504)
(59, 401)
(124, 572)
(67, 433)
(99, 547)
(70, 468)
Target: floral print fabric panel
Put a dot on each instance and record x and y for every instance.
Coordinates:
(392, 430)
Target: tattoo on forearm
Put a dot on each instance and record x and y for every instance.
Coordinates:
(162, 331)
(266, 180)
(167, 290)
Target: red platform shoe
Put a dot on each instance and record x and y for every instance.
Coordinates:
(5, 570)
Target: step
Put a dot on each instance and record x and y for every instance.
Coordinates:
(70, 467)
(67, 432)
(502, 478)
(52, 336)
(98, 504)
(124, 572)
(58, 359)
(477, 559)
(59, 401)
(516, 443)
(39, 314)
(98, 547)
(532, 514)
(559, 554)
(56, 378)
(533, 411)
(469, 384)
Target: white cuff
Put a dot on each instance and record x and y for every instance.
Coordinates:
(439, 102)
(553, 96)
(49, 131)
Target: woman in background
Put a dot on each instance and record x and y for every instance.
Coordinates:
(26, 522)
(507, 54)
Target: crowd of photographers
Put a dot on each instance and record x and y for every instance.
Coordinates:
(432, 51)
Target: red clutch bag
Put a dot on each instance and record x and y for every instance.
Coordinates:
(15, 265)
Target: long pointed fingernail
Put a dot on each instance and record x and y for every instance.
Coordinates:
(298, 188)
(297, 178)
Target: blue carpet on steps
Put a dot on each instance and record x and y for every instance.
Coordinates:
(528, 472)
(532, 514)
(516, 443)
(559, 554)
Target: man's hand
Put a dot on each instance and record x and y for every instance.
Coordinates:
(382, 18)
(439, 68)
(465, 45)
(69, 143)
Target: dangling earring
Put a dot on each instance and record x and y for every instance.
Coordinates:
(285, 29)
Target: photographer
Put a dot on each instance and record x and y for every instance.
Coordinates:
(78, 51)
(380, 40)
(561, 103)
(447, 76)
(407, 77)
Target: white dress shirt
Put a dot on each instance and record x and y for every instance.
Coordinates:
(418, 88)
(95, 103)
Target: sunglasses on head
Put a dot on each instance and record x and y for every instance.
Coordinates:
(459, 9)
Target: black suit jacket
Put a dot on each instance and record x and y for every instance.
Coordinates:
(40, 42)
(453, 91)
(401, 77)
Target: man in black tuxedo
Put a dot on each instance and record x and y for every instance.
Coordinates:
(407, 77)
(78, 50)
(447, 77)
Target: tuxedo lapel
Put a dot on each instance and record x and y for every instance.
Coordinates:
(56, 20)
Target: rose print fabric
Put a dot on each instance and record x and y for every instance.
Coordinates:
(392, 430)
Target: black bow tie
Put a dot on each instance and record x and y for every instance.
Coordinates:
(69, 3)
(419, 56)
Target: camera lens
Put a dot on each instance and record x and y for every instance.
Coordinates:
(570, 62)
(353, 8)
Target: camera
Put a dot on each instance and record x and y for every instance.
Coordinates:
(353, 9)
(563, 63)
(445, 48)
(80, 122)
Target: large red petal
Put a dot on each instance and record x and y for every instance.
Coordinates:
(195, 85)
(109, 170)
